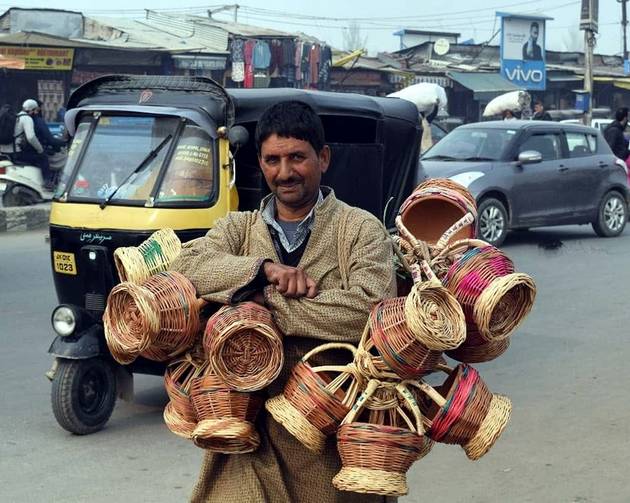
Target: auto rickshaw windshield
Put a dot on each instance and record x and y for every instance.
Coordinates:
(124, 158)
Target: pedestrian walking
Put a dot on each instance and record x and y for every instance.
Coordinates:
(614, 134)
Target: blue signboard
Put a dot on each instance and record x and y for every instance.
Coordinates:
(626, 67)
(523, 50)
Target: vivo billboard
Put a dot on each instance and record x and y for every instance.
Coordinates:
(523, 50)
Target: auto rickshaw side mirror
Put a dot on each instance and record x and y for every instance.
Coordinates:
(238, 136)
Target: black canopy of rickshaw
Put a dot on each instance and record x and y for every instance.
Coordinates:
(375, 141)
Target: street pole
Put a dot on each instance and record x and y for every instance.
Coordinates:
(589, 44)
(624, 25)
(236, 7)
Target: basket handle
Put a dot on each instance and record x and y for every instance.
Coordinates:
(431, 393)
(413, 406)
(363, 359)
(330, 345)
(420, 248)
(467, 219)
(372, 386)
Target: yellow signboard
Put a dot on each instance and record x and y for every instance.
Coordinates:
(40, 58)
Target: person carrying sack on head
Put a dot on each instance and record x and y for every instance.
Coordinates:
(28, 148)
(319, 265)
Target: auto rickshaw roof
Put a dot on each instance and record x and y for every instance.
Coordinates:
(128, 91)
(249, 104)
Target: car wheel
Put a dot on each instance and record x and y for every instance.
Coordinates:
(612, 215)
(83, 394)
(492, 224)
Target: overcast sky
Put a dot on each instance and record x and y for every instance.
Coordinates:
(380, 18)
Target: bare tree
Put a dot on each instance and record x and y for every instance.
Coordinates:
(353, 39)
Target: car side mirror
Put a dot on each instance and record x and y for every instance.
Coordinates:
(529, 157)
(238, 136)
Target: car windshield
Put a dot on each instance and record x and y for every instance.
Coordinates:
(471, 144)
(124, 157)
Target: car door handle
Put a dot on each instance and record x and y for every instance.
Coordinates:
(603, 165)
(562, 169)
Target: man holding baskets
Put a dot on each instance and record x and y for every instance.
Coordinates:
(319, 266)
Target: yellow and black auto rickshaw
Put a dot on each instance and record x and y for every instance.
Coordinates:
(152, 152)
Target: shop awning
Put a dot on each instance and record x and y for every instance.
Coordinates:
(620, 82)
(484, 86)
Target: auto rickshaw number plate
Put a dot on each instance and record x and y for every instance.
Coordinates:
(64, 262)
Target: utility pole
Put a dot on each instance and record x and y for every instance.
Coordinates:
(589, 44)
(624, 26)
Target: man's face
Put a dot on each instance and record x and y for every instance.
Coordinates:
(292, 169)
(534, 33)
(538, 107)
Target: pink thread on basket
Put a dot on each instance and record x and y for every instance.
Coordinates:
(453, 409)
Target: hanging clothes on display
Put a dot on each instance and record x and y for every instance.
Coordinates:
(238, 63)
(325, 64)
(277, 55)
(304, 63)
(262, 55)
(298, 62)
(248, 54)
(288, 61)
(314, 65)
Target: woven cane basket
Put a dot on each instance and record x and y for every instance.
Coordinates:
(138, 263)
(377, 453)
(447, 183)
(244, 346)
(179, 414)
(464, 412)
(158, 319)
(399, 347)
(225, 416)
(316, 399)
(130, 321)
(495, 299)
(434, 207)
(179, 315)
(475, 350)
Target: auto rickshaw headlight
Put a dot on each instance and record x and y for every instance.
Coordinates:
(64, 320)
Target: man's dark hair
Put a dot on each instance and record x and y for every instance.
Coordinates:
(621, 114)
(538, 101)
(534, 25)
(291, 119)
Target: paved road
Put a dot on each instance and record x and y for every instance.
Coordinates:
(569, 439)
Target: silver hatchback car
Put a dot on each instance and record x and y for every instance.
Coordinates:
(533, 173)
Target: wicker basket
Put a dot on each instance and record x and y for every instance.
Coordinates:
(316, 399)
(495, 299)
(434, 207)
(158, 319)
(433, 314)
(130, 321)
(179, 414)
(376, 454)
(472, 351)
(447, 183)
(464, 412)
(225, 416)
(399, 347)
(244, 346)
(138, 263)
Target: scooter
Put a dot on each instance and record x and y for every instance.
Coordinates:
(22, 184)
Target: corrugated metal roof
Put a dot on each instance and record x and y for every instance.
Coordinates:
(482, 82)
(244, 30)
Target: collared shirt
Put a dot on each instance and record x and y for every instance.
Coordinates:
(290, 243)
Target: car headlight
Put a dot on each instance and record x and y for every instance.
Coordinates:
(64, 321)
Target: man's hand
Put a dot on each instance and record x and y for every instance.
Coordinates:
(290, 281)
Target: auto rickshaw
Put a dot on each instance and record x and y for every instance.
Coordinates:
(152, 152)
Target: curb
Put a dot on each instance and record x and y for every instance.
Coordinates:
(24, 218)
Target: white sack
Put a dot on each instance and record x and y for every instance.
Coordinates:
(514, 100)
(424, 95)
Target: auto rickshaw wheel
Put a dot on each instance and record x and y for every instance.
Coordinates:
(83, 394)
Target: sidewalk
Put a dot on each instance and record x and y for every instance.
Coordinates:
(24, 218)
